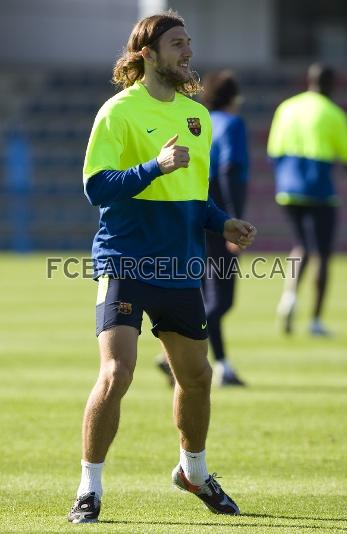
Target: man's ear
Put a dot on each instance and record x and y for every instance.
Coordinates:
(148, 54)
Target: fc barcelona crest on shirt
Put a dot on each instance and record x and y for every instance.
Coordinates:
(194, 125)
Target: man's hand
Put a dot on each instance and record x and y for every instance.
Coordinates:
(173, 156)
(240, 232)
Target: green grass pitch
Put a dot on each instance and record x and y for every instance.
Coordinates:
(279, 444)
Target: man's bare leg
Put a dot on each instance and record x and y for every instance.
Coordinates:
(118, 351)
(188, 359)
(193, 374)
(191, 407)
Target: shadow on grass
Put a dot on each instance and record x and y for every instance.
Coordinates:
(299, 388)
(238, 524)
(296, 517)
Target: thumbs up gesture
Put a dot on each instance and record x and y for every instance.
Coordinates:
(173, 156)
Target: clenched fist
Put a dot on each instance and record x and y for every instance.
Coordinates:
(240, 232)
(173, 156)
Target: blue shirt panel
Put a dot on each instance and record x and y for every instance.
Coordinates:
(304, 177)
(151, 234)
(229, 144)
(134, 229)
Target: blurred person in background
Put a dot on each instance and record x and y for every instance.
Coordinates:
(154, 204)
(307, 136)
(228, 188)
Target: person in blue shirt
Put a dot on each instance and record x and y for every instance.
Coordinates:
(228, 179)
(228, 188)
(308, 135)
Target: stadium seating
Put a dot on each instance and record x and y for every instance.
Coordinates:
(46, 117)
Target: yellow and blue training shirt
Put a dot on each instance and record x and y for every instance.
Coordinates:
(144, 215)
(308, 135)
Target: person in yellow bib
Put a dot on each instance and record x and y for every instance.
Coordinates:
(146, 167)
(308, 135)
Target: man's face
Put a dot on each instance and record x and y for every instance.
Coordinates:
(173, 57)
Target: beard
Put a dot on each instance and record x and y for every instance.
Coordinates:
(173, 77)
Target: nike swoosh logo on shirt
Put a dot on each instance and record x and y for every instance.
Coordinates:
(203, 326)
(151, 130)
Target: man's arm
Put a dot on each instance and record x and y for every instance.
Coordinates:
(108, 186)
(215, 217)
(237, 231)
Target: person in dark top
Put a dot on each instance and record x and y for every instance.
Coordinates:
(228, 187)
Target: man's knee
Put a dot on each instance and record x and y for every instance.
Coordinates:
(197, 382)
(116, 377)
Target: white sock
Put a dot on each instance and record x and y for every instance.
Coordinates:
(287, 302)
(224, 367)
(194, 466)
(91, 478)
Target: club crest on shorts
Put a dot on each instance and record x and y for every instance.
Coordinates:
(194, 125)
(124, 307)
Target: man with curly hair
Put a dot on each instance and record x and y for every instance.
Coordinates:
(154, 209)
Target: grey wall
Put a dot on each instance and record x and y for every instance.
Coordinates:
(88, 32)
(229, 31)
(72, 32)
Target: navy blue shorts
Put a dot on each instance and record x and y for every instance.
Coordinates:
(123, 301)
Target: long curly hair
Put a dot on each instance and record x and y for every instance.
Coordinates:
(147, 32)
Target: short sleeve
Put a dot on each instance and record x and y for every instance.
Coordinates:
(105, 145)
(340, 134)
